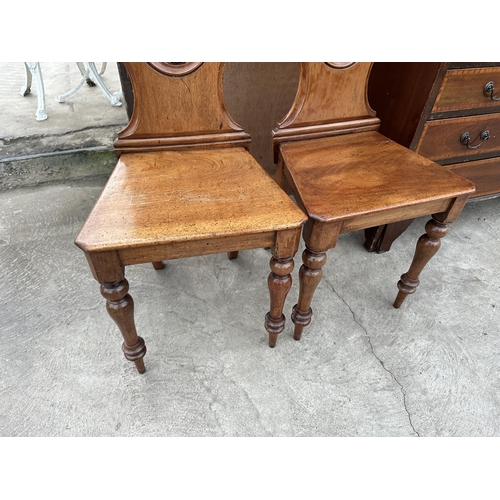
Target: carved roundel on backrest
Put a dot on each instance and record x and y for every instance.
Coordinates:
(340, 65)
(175, 68)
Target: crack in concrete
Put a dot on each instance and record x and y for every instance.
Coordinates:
(376, 357)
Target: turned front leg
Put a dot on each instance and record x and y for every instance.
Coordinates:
(120, 307)
(427, 246)
(279, 283)
(310, 275)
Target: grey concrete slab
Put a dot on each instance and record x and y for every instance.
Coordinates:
(362, 368)
(76, 139)
(87, 108)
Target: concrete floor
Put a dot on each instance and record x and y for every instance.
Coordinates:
(362, 368)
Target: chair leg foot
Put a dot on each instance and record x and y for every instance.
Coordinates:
(427, 246)
(158, 265)
(232, 255)
(279, 283)
(406, 286)
(274, 327)
(139, 364)
(120, 307)
(136, 353)
(297, 332)
(300, 320)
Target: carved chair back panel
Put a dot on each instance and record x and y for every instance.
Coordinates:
(331, 100)
(330, 92)
(175, 101)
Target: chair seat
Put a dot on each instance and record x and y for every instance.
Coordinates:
(175, 196)
(354, 175)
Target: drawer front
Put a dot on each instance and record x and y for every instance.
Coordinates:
(485, 174)
(440, 139)
(464, 89)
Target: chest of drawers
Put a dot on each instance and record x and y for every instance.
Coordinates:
(447, 112)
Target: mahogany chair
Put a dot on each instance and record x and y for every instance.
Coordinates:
(346, 176)
(185, 185)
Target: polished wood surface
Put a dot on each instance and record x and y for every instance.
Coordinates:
(120, 306)
(317, 88)
(185, 185)
(427, 107)
(178, 112)
(463, 89)
(272, 85)
(166, 197)
(310, 275)
(279, 282)
(355, 178)
(399, 93)
(427, 246)
(348, 176)
(440, 139)
(483, 173)
(348, 112)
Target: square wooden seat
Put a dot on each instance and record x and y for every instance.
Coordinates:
(346, 176)
(171, 202)
(185, 185)
(356, 178)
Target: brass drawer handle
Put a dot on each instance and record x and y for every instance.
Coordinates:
(489, 88)
(465, 139)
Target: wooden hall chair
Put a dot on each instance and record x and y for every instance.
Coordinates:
(346, 176)
(185, 185)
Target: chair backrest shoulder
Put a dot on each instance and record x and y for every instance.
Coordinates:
(178, 106)
(332, 99)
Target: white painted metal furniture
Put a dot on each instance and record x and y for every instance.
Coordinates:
(92, 77)
(89, 72)
(33, 70)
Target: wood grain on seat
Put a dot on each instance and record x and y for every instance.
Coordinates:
(350, 175)
(165, 197)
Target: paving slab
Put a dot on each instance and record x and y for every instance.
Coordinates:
(76, 139)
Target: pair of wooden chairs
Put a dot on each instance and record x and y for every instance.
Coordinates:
(185, 185)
